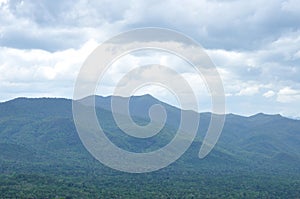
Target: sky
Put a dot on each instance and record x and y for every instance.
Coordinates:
(255, 46)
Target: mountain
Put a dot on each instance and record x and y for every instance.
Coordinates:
(41, 155)
(260, 136)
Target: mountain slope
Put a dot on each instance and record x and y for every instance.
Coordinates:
(47, 123)
(41, 153)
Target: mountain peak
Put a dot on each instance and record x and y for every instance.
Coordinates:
(259, 115)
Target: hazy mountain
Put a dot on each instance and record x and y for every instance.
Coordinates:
(38, 139)
(47, 123)
(257, 137)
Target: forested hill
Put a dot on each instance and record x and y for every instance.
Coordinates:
(41, 155)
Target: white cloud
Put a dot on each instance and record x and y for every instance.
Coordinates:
(254, 44)
(32, 68)
(269, 94)
(249, 91)
(287, 95)
(3, 2)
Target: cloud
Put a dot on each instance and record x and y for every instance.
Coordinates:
(53, 26)
(249, 91)
(230, 25)
(269, 94)
(150, 61)
(254, 44)
(287, 95)
(40, 72)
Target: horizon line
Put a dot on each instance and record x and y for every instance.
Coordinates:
(107, 96)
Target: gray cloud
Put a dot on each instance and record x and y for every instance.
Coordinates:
(230, 25)
(255, 44)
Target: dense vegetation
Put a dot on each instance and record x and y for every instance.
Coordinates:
(41, 156)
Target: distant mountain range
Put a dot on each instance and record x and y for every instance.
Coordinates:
(38, 137)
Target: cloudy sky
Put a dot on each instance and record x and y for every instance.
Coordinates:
(254, 44)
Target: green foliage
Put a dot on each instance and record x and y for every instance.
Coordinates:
(41, 156)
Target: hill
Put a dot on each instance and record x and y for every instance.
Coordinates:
(41, 155)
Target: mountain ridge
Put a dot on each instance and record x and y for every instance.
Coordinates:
(146, 95)
(255, 131)
(41, 154)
